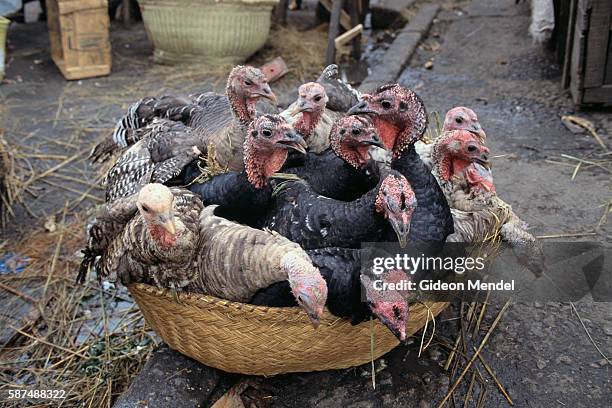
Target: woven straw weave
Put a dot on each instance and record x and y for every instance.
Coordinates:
(256, 340)
(213, 32)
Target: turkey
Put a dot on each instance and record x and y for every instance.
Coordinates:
(127, 130)
(398, 114)
(458, 118)
(341, 269)
(461, 164)
(341, 96)
(157, 158)
(158, 243)
(432, 221)
(315, 221)
(317, 118)
(400, 119)
(109, 222)
(308, 116)
(348, 159)
(213, 116)
(234, 261)
(245, 195)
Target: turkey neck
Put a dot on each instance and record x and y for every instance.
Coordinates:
(307, 123)
(432, 212)
(446, 166)
(243, 259)
(242, 108)
(261, 164)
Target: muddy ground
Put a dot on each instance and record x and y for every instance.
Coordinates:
(482, 58)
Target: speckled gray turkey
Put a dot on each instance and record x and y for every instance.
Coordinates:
(215, 118)
(235, 261)
(460, 161)
(157, 158)
(159, 243)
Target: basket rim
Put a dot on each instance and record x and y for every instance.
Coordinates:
(207, 301)
(203, 301)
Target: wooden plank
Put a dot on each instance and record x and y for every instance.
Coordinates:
(578, 52)
(608, 70)
(344, 38)
(345, 19)
(597, 44)
(334, 29)
(569, 42)
(601, 96)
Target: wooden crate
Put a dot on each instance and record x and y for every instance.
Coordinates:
(587, 68)
(78, 33)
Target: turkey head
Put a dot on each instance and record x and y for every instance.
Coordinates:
(310, 103)
(462, 118)
(398, 114)
(266, 147)
(307, 285)
(245, 85)
(155, 204)
(461, 153)
(351, 138)
(396, 200)
(388, 305)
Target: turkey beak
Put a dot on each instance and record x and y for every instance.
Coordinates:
(483, 160)
(361, 108)
(167, 223)
(478, 131)
(301, 105)
(401, 226)
(293, 141)
(315, 319)
(374, 141)
(267, 93)
(399, 332)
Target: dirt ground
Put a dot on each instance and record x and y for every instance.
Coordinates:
(482, 58)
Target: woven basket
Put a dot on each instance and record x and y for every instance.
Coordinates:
(213, 32)
(256, 340)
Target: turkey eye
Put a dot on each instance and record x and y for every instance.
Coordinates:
(458, 120)
(342, 131)
(386, 104)
(248, 82)
(145, 208)
(266, 133)
(403, 106)
(356, 131)
(471, 148)
(317, 98)
(254, 133)
(396, 312)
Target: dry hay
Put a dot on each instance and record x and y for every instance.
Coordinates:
(85, 340)
(303, 51)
